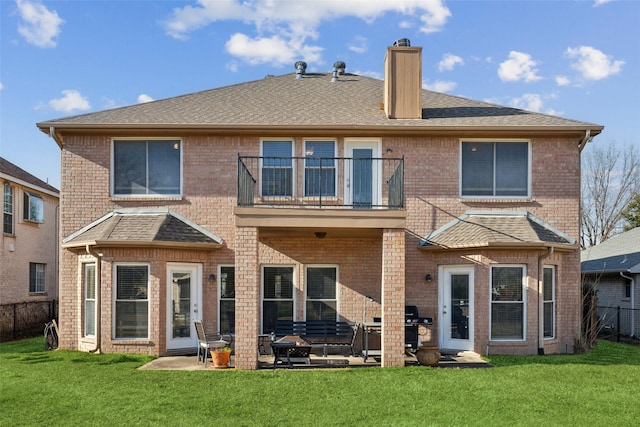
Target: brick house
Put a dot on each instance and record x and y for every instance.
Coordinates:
(29, 251)
(315, 196)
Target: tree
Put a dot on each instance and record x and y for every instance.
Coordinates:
(610, 182)
(632, 214)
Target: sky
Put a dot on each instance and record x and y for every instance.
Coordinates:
(571, 58)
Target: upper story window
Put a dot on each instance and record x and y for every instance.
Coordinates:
(7, 220)
(33, 207)
(147, 167)
(320, 169)
(495, 169)
(277, 168)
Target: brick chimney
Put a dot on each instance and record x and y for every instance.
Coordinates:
(403, 81)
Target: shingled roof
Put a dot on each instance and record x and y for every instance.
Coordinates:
(477, 229)
(143, 228)
(15, 173)
(619, 253)
(353, 103)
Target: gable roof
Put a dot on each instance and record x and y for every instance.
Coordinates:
(497, 229)
(278, 103)
(619, 253)
(14, 173)
(143, 228)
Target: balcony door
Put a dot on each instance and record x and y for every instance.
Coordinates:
(362, 173)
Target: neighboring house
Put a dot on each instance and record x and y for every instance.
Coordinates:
(300, 196)
(29, 252)
(612, 268)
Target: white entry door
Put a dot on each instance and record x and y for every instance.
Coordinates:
(184, 294)
(362, 174)
(456, 307)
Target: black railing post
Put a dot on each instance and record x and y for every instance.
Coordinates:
(618, 319)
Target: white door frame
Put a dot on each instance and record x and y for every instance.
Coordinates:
(445, 312)
(195, 304)
(376, 146)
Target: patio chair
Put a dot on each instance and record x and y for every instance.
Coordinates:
(206, 342)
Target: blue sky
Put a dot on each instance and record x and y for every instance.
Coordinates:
(576, 59)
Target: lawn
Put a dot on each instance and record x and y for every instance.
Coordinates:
(39, 388)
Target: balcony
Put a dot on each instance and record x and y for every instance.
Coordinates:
(321, 182)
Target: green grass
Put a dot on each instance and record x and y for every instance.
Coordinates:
(39, 388)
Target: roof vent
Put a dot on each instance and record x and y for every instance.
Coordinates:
(301, 68)
(402, 42)
(338, 69)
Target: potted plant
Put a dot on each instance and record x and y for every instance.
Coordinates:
(220, 357)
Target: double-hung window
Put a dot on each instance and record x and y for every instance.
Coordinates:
(277, 296)
(495, 169)
(7, 220)
(549, 295)
(131, 301)
(508, 302)
(227, 300)
(147, 167)
(89, 300)
(320, 169)
(36, 277)
(277, 169)
(321, 293)
(33, 207)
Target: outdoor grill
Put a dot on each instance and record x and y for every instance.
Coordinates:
(413, 320)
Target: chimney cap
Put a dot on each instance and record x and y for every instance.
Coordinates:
(402, 42)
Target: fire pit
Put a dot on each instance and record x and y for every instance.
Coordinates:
(291, 349)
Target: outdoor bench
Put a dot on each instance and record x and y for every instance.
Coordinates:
(323, 334)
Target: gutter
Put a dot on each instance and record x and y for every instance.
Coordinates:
(587, 137)
(633, 303)
(98, 257)
(57, 138)
(541, 258)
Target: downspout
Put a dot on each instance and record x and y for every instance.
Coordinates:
(587, 137)
(98, 257)
(633, 304)
(57, 138)
(541, 258)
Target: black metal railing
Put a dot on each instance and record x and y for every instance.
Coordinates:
(336, 182)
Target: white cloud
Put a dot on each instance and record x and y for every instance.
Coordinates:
(358, 45)
(39, 25)
(71, 101)
(449, 61)
(439, 86)
(232, 66)
(593, 64)
(519, 66)
(563, 81)
(533, 102)
(1, 86)
(373, 74)
(600, 2)
(142, 98)
(289, 25)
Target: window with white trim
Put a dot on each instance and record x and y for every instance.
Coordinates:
(147, 167)
(277, 168)
(36, 277)
(549, 298)
(89, 276)
(33, 207)
(321, 293)
(495, 169)
(277, 296)
(131, 301)
(508, 302)
(227, 300)
(320, 169)
(7, 220)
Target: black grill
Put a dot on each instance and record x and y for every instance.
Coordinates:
(412, 320)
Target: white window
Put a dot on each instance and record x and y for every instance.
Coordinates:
(277, 169)
(33, 207)
(7, 220)
(277, 296)
(320, 169)
(495, 169)
(36, 277)
(227, 300)
(321, 293)
(142, 167)
(89, 300)
(131, 301)
(508, 302)
(549, 296)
